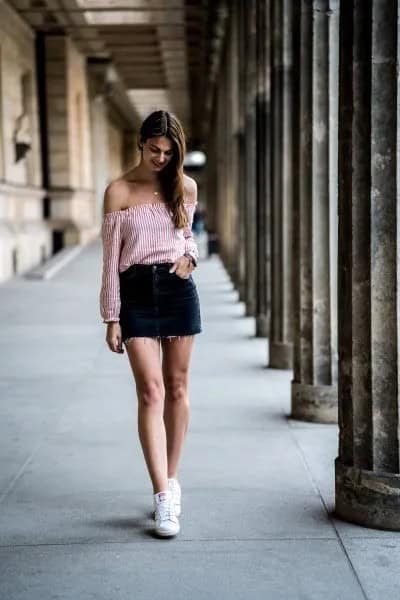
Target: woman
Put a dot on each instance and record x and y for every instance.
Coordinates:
(149, 299)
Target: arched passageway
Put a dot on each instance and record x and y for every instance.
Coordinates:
(295, 104)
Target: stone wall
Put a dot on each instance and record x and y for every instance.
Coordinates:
(24, 236)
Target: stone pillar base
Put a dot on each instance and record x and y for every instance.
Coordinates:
(84, 235)
(262, 326)
(280, 355)
(367, 498)
(314, 403)
(250, 308)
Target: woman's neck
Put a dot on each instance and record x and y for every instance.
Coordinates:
(142, 173)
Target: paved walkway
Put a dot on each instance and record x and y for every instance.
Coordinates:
(75, 496)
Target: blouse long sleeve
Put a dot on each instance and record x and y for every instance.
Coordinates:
(110, 301)
(190, 243)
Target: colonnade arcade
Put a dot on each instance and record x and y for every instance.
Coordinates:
(304, 148)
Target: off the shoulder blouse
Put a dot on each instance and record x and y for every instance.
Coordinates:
(140, 234)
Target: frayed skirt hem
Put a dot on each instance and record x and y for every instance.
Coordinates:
(157, 337)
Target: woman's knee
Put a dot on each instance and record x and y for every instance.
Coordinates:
(151, 394)
(177, 389)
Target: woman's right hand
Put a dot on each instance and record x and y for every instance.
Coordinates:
(114, 337)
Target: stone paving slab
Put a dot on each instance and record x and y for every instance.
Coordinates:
(377, 564)
(52, 517)
(75, 496)
(156, 570)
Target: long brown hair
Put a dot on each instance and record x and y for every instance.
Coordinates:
(162, 123)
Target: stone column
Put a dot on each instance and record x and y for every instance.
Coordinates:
(72, 198)
(242, 49)
(281, 333)
(314, 389)
(367, 468)
(212, 173)
(234, 142)
(263, 300)
(130, 150)
(99, 150)
(250, 161)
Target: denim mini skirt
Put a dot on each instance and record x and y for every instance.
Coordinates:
(157, 303)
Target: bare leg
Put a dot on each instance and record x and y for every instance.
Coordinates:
(144, 357)
(175, 368)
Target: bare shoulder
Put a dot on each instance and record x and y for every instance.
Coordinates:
(115, 195)
(190, 189)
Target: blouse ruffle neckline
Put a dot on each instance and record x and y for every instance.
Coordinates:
(124, 210)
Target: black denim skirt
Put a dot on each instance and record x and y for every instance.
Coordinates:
(157, 303)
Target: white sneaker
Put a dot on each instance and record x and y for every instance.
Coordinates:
(173, 485)
(167, 523)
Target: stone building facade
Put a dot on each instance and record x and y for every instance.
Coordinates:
(25, 239)
(63, 136)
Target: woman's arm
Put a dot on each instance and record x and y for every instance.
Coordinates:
(191, 199)
(110, 302)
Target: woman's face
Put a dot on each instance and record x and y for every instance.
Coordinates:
(157, 152)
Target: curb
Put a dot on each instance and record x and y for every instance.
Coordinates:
(51, 266)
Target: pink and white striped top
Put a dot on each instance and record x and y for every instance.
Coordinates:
(141, 234)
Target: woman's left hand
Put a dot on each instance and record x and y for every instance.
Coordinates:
(182, 267)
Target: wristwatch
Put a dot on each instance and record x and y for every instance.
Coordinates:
(190, 257)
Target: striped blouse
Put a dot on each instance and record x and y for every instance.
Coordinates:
(144, 234)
